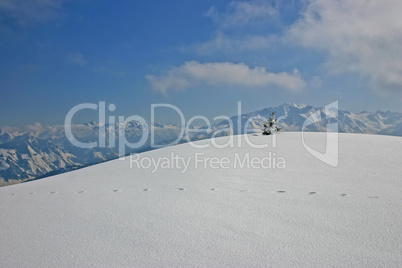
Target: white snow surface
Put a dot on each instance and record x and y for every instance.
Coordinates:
(307, 214)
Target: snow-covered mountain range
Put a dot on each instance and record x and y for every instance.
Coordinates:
(32, 154)
(293, 116)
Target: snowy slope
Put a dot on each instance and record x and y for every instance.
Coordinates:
(307, 214)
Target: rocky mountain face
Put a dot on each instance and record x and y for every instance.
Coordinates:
(29, 155)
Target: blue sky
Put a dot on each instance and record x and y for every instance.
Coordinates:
(202, 56)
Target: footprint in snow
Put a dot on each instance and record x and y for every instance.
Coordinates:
(281, 192)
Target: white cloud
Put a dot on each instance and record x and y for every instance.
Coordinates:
(359, 37)
(193, 73)
(363, 37)
(24, 12)
(240, 13)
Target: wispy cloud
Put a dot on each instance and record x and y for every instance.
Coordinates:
(241, 26)
(107, 69)
(25, 12)
(193, 73)
(77, 59)
(229, 44)
(37, 127)
(363, 37)
(315, 82)
(241, 13)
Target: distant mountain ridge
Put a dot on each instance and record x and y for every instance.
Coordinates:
(382, 123)
(32, 154)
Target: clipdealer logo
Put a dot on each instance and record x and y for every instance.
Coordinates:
(117, 124)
